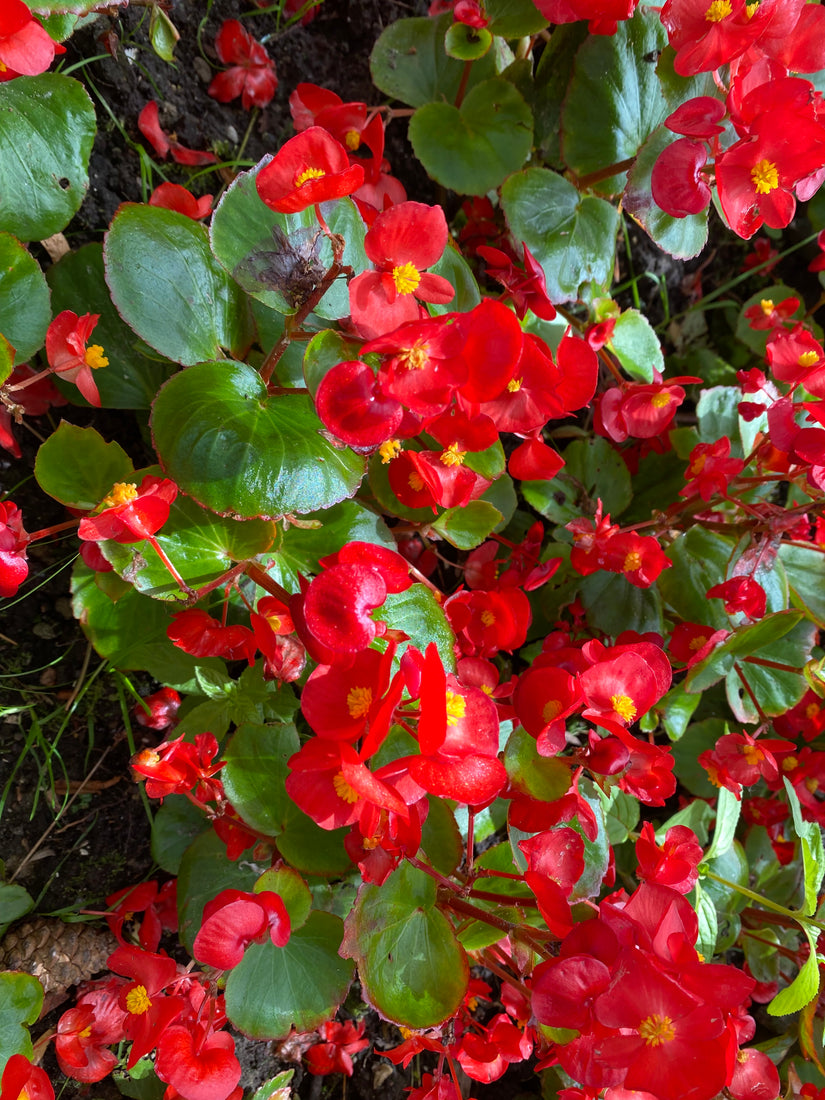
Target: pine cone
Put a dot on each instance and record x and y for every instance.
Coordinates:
(60, 955)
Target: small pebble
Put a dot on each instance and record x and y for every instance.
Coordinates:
(203, 69)
(232, 134)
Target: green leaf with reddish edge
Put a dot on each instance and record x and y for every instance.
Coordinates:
(400, 941)
(681, 237)
(204, 872)
(473, 148)
(636, 346)
(468, 526)
(254, 774)
(614, 605)
(247, 238)
(467, 43)
(805, 985)
(614, 99)
(572, 236)
(676, 710)
(776, 690)
(131, 632)
(543, 777)
(324, 351)
(47, 126)
(74, 7)
(78, 467)
(25, 312)
(420, 616)
(169, 288)
(490, 463)
(21, 998)
(292, 890)
(243, 453)
(135, 372)
(440, 837)
(513, 18)
(199, 544)
(313, 850)
(700, 560)
(175, 825)
(409, 62)
(805, 570)
(273, 989)
(6, 359)
(743, 642)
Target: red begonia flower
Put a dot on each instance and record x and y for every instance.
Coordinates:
(252, 75)
(352, 405)
(197, 633)
(235, 919)
(603, 17)
(162, 708)
(172, 196)
(310, 168)
(177, 767)
(741, 594)
(26, 48)
(68, 354)
(707, 36)
(80, 1047)
(334, 1053)
(674, 863)
(149, 126)
(526, 289)
(677, 182)
(130, 514)
(149, 1011)
(534, 460)
(698, 117)
(198, 1063)
(23, 1081)
(13, 541)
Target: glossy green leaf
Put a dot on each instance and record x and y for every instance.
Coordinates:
(273, 989)
(700, 560)
(135, 372)
(741, 643)
(242, 453)
(573, 236)
(409, 62)
(163, 34)
(614, 605)
(813, 851)
(204, 872)
(78, 467)
(47, 126)
(775, 690)
(454, 268)
(440, 837)
(468, 526)
(552, 78)
(708, 921)
(21, 998)
(200, 544)
(24, 299)
(6, 359)
(255, 772)
(681, 237)
(15, 902)
(175, 825)
(805, 570)
(513, 18)
(543, 777)
(473, 148)
(420, 616)
(280, 258)
(621, 816)
(676, 710)
(728, 809)
(614, 99)
(400, 941)
(467, 43)
(593, 470)
(805, 985)
(310, 849)
(636, 346)
(168, 287)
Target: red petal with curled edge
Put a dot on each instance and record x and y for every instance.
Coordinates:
(409, 233)
(676, 183)
(351, 405)
(149, 125)
(205, 1072)
(492, 350)
(475, 780)
(338, 604)
(223, 936)
(393, 568)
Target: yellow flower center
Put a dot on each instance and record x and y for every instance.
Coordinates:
(632, 562)
(765, 177)
(85, 1033)
(752, 754)
(415, 482)
(359, 701)
(352, 139)
(789, 763)
(514, 385)
(307, 175)
(750, 10)
(137, 1000)
(624, 707)
(389, 450)
(767, 306)
(698, 465)
(812, 710)
(488, 618)
(808, 358)
(657, 1029)
(719, 10)
(452, 456)
(551, 709)
(456, 708)
(95, 358)
(696, 643)
(2, 70)
(343, 789)
(660, 399)
(406, 278)
(811, 783)
(486, 689)
(122, 492)
(416, 357)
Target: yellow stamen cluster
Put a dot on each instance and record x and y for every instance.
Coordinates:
(343, 789)
(632, 562)
(752, 754)
(551, 710)
(812, 710)
(359, 701)
(307, 175)
(95, 358)
(488, 618)
(122, 492)
(698, 465)
(389, 450)
(452, 456)
(765, 176)
(137, 1000)
(406, 278)
(696, 643)
(514, 385)
(767, 306)
(352, 139)
(415, 482)
(657, 1029)
(719, 10)
(456, 708)
(808, 358)
(660, 399)
(624, 707)
(416, 357)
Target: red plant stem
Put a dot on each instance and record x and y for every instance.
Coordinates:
(29, 381)
(582, 182)
(749, 690)
(488, 895)
(471, 820)
(263, 580)
(516, 930)
(164, 557)
(771, 664)
(224, 578)
(500, 972)
(44, 532)
(462, 87)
